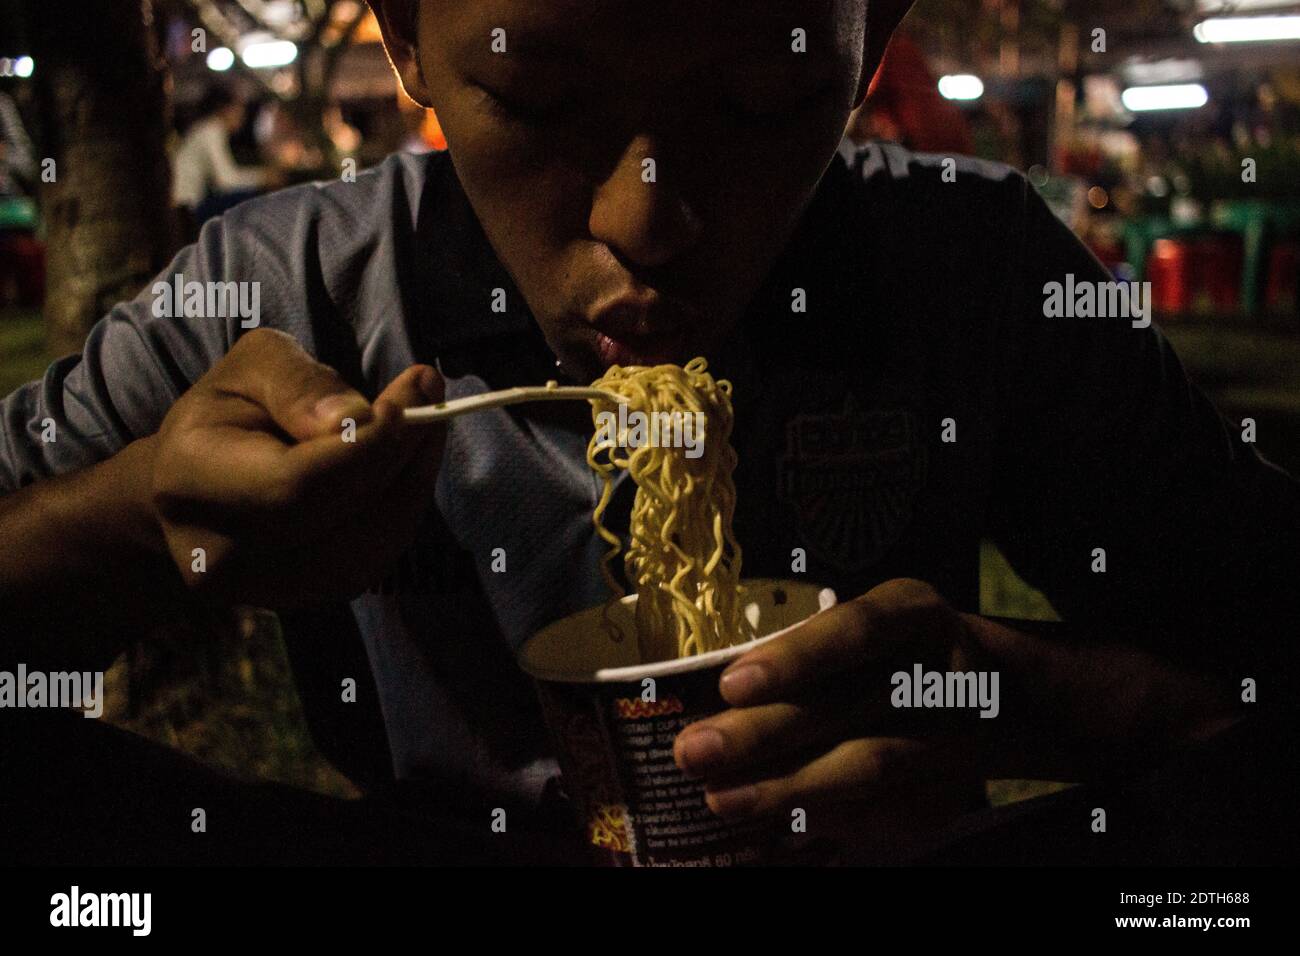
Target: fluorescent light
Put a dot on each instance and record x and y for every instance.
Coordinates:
(274, 53)
(221, 59)
(1247, 29)
(1238, 6)
(961, 86)
(24, 66)
(1162, 72)
(1177, 96)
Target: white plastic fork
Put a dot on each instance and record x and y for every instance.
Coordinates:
(551, 392)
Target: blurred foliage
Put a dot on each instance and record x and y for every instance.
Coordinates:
(221, 690)
(22, 348)
(972, 32)
(1214, 170)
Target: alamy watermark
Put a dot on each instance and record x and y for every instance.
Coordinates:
(637, 429)
(79, 690)
(75, 908)
(179, 299)
(947, 689)
(1085, 299)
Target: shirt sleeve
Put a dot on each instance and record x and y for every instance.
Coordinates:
(133, 366)
(1107, 452)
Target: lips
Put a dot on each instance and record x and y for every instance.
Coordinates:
(638, 331)
(640, 350)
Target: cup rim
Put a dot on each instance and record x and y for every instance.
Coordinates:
(826, 598)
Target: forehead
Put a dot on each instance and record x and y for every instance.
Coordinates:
(666, 35)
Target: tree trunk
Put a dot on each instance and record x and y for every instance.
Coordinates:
(103, 96)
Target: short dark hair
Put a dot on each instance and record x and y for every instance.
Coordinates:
(217, 97)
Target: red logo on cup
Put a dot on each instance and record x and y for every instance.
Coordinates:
(634, 708)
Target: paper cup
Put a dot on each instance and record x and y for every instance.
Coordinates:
(614, 719)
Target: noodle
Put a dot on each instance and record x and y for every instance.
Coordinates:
(682, 557)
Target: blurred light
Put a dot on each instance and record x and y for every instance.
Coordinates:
(1157, 187)
(1160, 72)
(24, 66)
(221, 59)
(1098, 197)
(961, 86)
(279, 13)
(260, 56)
(1247, 29)
(1238, 6)
(1179, 96)
(1038, 175)
(285, 84)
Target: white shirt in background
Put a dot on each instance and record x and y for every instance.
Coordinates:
(204, 164)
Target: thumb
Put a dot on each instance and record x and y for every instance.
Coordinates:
(418, 385)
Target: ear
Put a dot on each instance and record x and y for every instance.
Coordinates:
(883, 18)
(398, 21)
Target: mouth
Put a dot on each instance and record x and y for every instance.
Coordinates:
(640, 350)
(638, 331)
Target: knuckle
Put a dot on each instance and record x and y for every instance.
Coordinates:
(860, 614)
(907, 599)
(918, 594)
(261, 338)
(886, 762)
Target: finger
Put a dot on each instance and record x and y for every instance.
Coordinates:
(237, 476)
(304, 397)
(325, 475)
(344, 530)
(375, 540)
(354, 554)
(864, 769)
(418, 385)
(897, 616)
(745, 738)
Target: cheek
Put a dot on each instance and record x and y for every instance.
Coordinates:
(528, 210)
(783, 167)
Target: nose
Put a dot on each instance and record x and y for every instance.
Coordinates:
(638, 211)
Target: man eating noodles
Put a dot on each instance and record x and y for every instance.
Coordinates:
(633, 183)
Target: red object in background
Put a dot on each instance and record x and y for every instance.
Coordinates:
(1167, 270)
(1195, 273)
(903, 103)
(22, 271)
(1280, 294)
(1109, 252)
(1219, 262)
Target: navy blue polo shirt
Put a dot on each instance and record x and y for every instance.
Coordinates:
(920, 402)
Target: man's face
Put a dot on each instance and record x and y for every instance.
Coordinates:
(638, 166)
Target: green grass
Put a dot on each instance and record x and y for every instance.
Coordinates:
(22, 348)
(221, 690)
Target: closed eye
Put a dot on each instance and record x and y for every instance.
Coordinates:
(516, 111)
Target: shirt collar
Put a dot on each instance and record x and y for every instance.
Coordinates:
(457, 271)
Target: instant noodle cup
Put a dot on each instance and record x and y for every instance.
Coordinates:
(614, 718)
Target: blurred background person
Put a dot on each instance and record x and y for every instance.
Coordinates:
(206, 179)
